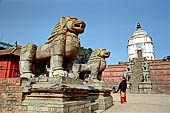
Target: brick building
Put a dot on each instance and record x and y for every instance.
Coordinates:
(9, 62)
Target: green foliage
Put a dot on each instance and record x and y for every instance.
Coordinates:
(166, 58)
(83, 55)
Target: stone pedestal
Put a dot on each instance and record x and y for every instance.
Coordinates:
(64, 95)
(145, 87)
(104, 100)
(142, 88)
(56, 95)
(55, 103)
(100, 95)
(128, 87)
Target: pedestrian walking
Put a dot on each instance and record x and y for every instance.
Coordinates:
(122, 87)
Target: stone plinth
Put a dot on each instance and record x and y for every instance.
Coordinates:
(57, 103)
(145, 87)
(64, 95)
(100, 95)
(55, 95)
(128, 87)
(104, 100)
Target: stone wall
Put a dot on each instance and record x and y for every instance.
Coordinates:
(160, 76)
(112, 75)
(10, 95)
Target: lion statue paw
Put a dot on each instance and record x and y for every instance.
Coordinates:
(27, 75)
(73, 75)
(60, 73)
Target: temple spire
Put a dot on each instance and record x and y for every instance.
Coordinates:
(138, 26)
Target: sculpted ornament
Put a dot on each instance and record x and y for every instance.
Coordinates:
(95, 66)
(59, 51)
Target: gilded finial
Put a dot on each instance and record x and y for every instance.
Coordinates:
(138, 25)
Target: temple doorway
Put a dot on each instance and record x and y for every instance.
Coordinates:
(139, 52)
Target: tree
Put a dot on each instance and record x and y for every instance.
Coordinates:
(83, 55)
(166, 58)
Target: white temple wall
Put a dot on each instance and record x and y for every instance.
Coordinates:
(140, 42)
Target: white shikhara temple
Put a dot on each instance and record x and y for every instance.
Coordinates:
(140, 45)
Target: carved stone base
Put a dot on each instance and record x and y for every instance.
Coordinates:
(55, 103)
(142, 88)
(145, 87)
(100, 94)
(63, 95)
(104, 101)
(128, 87)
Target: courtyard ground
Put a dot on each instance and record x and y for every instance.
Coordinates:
(141, 103)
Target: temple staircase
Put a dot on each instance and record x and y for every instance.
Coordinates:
(136, 75)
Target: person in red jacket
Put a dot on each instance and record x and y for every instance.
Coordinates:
(122, 87)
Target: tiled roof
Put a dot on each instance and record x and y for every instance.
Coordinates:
(14, 51)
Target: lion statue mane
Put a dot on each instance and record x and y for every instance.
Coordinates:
(58, 52)
(95, 66)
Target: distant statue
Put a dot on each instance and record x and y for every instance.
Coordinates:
(59, 51)
(146, 78)
(95, 66)
(127, 76)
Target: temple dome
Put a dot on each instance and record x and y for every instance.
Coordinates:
(140, 45)
(139, 31)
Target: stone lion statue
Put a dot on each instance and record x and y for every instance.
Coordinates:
(58, 52)
(95, 66)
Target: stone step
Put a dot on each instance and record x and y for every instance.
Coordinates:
(98, 111)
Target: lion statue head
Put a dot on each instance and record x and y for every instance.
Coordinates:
(100, 53)
(67, 24)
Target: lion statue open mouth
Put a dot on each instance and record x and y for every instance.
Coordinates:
(59, 51)
(95, 66)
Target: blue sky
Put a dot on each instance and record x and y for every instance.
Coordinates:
(109, 23)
